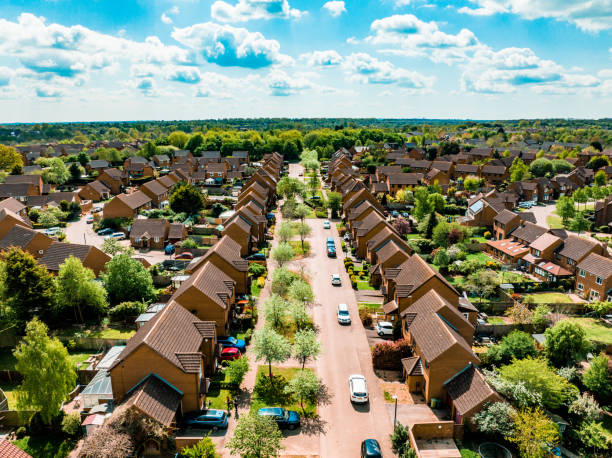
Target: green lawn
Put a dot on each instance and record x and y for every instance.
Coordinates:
(8, 361)
(255, 290)
(607, 424)
(297, 247)
(372, 306)
(480, 256)
(554, 221)
(287, 402)
(10, 391)
(511, 277)
(549, 298)
(595, 329)
(49, 446)
(216, 397)
(79, 358)
(495, 320)
(363, 285)
(110, 332)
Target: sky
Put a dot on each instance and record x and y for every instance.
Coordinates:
(106, 60)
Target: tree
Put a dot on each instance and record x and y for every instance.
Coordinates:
(541, 167)
(75, 170)
(76, 287)
(600, 178)
(300, 291)
(299, 314)
(597, 378)
(566, 343)
(402, 225)
(285, 231)
(126, 279)
(520, 313)
(483, 282)
(28, 288)
(281, 281)
(54, 170)
(441, 258)
(400, 441)
(9, 158)
(194, 142)
(471, 183)
(237, 369)
(83, 158)
(449, 148)
(579, 223)
(270, 347)
(422, 204)
(178, 138)
(283, 253)
(561, 166)
(518, 170)
(186, 198)
(313, 183)
(48, 372)
(301, 211)
(565, 208)
(303, 231)
(495, 418)
(516, 345)
(111, 247)
(539, 377)
(289, 187)
(334, 203)
(305, 346)
(275, 308)
(49, 217)
(305, 385)
(580, 196)
(598, 162)
(427, 226)
(205, 448)
(255, 436)
(534, 433)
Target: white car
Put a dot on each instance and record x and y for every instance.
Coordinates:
(326, 225)
(116, 235)
(358, 389)
(384, 328)
(335, 280)
(343, 314)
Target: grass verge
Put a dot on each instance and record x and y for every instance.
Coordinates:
(276, 397)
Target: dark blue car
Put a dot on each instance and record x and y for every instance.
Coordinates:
(106, 231)
(370, 448)
(232, 342)
(283, 418)
(209, 418)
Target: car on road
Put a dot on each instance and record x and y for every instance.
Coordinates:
(326, 224)
(229, 354)
(186, 256)
(89, 219)
(52, 231)
(343, 314)
(335, 280)
(116, 235)
(358, 389)
(384, 328)
(256, 257)
(208, 418)
(370, 448)
(331, 252)
(283, 418)
(232, 342)
(105, 231)
(330, 241)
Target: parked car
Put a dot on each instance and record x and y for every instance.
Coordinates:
(105, 231)
(229, 354)
(170, 249)
(394, 213)
(209, 418)
(89, 219)
(256, 257)
(232, 342)
(284, 418)
(331, 252)
(330, 242)
(343, 314)
(370, 448)
(116, 235)
(358, 389)
(326, 224)
(52, 231)
(384, 328)
(185, 256)
(335, 280)
(96, 209)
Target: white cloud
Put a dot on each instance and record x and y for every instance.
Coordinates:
(229, 46)
(248, 10)
(399, 3)
(365, 69)
(589, 15)
(187, 75)
(605, 73)
(281, 84)
(335, 8)
(166, 19)
(414, 37)
(215, 85)
(328, 58)
(46, 91)
(5, 76)
(353, 41)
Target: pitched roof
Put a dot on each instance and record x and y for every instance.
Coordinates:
(134, 200)
(505, 216)
(413, 273)
(528, 231)
(98, 186)
(14, 189)
(156, 398)
(8, 450)
(12, 204)
(227, 249)
(58, 252)
(389, 249)
(576, 247)
(18, 236)
(368, 223)
(176, 231)
(210, 281)
(155, 187)
(171, 332)
(404, 178)
(545, 241)
(155, 227)
(468, 389)
(412, 365)
(597, 265)
(113, 173)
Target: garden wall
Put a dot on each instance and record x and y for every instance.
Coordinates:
(92, 343)
(500, 330)
(15, 418)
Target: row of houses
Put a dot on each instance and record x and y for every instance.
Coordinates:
(435, 319)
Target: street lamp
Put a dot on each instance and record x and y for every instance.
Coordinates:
(395, 414)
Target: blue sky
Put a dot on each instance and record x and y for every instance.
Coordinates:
(75, 60)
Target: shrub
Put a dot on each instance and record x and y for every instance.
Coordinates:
(400, 439)
(365, 317)
(388, 355)
(126, 310)
(343, 246)
(487, 235)
(321, 214)
(21, 432)
(236, 370)
(353, 281)
(261, 281)
(71, 424)
(189, 243)
(257, 270)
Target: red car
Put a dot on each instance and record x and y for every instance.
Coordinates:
(229, 354)
(184, 256)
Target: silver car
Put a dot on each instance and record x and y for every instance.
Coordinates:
(335, 280)
(343, 314)
(384, 328)
(358, 388)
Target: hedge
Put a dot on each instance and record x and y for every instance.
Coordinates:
(388, 355)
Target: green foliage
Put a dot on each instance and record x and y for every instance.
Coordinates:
(422, 204)
(256, 270)
(441, 258)
(541, 167)
(600, 178)
(48, 372)
(236, 370)
(534, 433)
(495, 419)
(71, 424)
(516, 345)
(111, 246)
(598, 162)
(301, 211)
(127, 310)
(597, 378)
(255, 436)
(586, 408)
(305, 346)
(300, 291)
(561, 166)
(275, 308)
(334, 203)
(285, 231)
(281, 281)
(9, 158)
(594, 435)
(579, 223)
(483, 283)
(305, 386)
(565, 208)
(186, 198)
(289, 187)
(204, 448)
(400, 440)
(126, 279)
(189, 243)
(77, 289)
(539, 377)
(518, 170)
(270, 347)
(303, 230)
(566, 343)
(471, 183)
(283, 253)
(54, 170)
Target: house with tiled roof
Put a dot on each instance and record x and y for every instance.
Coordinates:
(127, 205)
(575, 248)
(594, 278)
(527, 233)
(388, 255)
(90, 256)
(366, 229)
(34, 242)
(161, 160)
(176, 346)
(149, 233)
(504, 223)
(209, 293)
(97, 165)
(157, 191)
(114, 179)
(384, 237)
(19, 191)
(9, 219)
(15, 206)
(95, 191)
(35, 180)
(225, 254)
(8, 450)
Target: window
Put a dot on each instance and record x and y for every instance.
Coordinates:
(582, 273)
(609, 299)
(536, 253)
(156, 239)
(594, 295)
(466, 315)
(580, 287)
(598, 280)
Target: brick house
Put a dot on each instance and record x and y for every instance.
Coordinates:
(149, 233)
(397, 181)
(95, 191)
(90, 256)
(216, 170)
(365, 230)
(9, 219)
(15, 206)
(127, 205)
(574, 249)
(594, 278)
(34, 180)
(389, 255)
(494, 174)
(176, 346)
(34, 242)
(239, 230)
(504, 223)
(156, 191)
(18, 191)
(114, 179)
